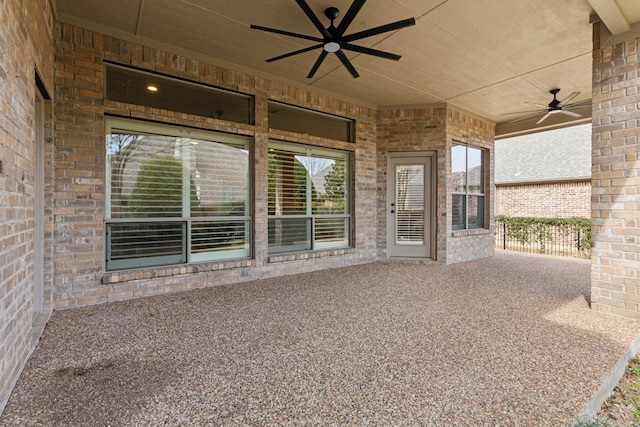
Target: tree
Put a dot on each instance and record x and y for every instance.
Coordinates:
(157, 191)
(335, 188)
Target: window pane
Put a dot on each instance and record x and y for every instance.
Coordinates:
(220, 174)
(332, 232)
(145, 244)
(475, 212)
(329, 184)
(287, 184)
(459, 168)
(475, 171)
(410, 204)
(289, 234)
(127, 85)
(230, 237)
(458, 211)
(309, 122)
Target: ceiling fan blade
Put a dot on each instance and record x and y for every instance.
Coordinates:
(312, 16)
(526, 111)
(370, 51)
(525, 117)
(345, 61)
(570, 113)
(545, 106)
(580, 104)
(379, 30)
(569, 98)
(349, 16)
(316, 65)
(286, 33)
(286, 55)
(543, 118)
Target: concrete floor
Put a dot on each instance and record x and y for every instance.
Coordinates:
(502, 341)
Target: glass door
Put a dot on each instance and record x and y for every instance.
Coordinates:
(409, 206)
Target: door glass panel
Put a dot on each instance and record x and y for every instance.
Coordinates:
(410, 204)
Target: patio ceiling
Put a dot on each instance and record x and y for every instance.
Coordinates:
(487, 57)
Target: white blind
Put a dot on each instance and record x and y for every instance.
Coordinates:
(311, 188)
(410, 203)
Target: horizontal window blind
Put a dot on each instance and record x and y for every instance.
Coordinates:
(289, 234)
(410, 204)
(144, 244)
(311, 184)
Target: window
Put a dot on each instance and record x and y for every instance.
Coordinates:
(308, 198)
(468, 199)
(133, 86)
(300, 120)
(175, 195)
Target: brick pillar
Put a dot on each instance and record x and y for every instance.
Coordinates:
(615, 282)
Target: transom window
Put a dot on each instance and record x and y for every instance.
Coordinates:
(308, 198)
(468, 198)
(175, 195)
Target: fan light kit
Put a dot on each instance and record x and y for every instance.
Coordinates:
(554, 107)
(334, 40)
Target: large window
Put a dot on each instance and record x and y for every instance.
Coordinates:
(175, 195)
(468, 199)
(308, 198)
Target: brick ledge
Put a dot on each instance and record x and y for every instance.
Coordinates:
(297, 256)
(477, 232)
(171, 270)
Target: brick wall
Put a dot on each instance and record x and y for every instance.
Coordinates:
(615, 282)
(545, 200)
(25, 45)
(435, 129)
(80, 276)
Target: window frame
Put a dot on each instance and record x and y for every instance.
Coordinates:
(309, 215)
(467, 194)
(187, 218)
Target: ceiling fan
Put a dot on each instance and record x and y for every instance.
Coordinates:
(334, 40)
(554, 107)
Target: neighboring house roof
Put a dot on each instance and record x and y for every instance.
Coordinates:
(555, 155)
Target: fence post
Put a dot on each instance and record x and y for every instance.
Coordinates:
(578, 240)
(504, 235)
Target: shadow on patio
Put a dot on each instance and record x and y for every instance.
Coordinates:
(508, 340)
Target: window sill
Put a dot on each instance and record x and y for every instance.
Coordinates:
(474, 232)
(297, 256)
(120, 276)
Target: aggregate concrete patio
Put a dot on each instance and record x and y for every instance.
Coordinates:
(503, 341)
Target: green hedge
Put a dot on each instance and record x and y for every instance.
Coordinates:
(520, 228)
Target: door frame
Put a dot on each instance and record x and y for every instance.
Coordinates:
(39, 205)
(430, 212)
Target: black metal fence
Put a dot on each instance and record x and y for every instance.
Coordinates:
(550, 236)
